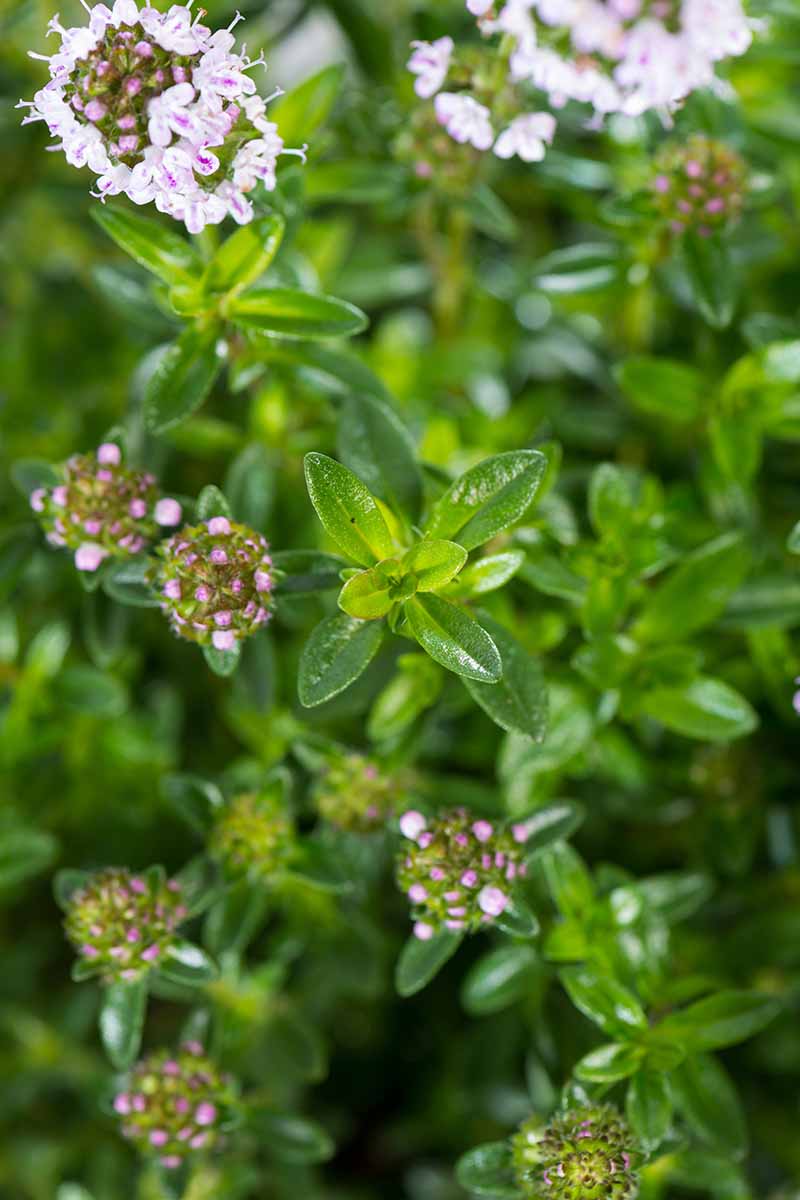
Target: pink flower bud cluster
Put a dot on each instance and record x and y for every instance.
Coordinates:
(356, 794)
(214, 582)
(460, 870)
(122, 924)
(698, 185)
(101, 510)
(253, 835)
(162, 109)
(173, 1104)
(584, 1154)
(616, 56)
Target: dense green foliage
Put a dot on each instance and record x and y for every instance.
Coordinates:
(526, 459)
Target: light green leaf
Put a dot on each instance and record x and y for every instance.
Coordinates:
(337, 652)
(434, 563)
(704, 708)
(453, 638)
(245, 255)
(696, 592)
(187, 964)
(663, 387)
(305, 108)
(486, 574)
(347, 510)
(150, 242)
(292, 313)
(605, 1001)
(719, 1020)
(610, 1062)
(488, 498)
(366, 595)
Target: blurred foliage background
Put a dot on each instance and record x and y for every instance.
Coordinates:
(505, 310)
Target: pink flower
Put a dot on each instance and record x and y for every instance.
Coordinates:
(109, 454)
(465, 119)
(412, 824)
(430, 62)
(89, 556)
(223, 639)
(492, 901)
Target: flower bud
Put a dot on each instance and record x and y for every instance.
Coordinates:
(100, 509)
(354, 793)
(173, 1104)
(253, 834)
(122, 924)
(584, 1154)
(459, 871)
(698, 185)
(214, 581)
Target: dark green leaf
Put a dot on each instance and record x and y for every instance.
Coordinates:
(704, 708)
(245, 255)
(376, 446)
(122, 1020)
(126, 582)
(696, 592)
(663, 387)
(307, 571)
(519, 701)
(712, 278)
(187, 964)
(488, 498)
(347, 510)
(648, 1106)
(499, 978)
(549, 824)
(720, 1020)
(336, 653)
(453, 638)
(24, 853)
(420, 960)
(708, 1101)
(488, 1170)
(292, 1139)
(301, 112)
(610, 1005)
(184, 375)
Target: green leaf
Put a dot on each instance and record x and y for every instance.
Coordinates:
(183, 377)
(487, 574)
(518, 919)
(420, 960)
(550, 824)
(292, 313)
(415, 687)
(24, 853)
(586, 267)
(648, 1107)
(187, 964)
(696, 592)
(499, 978)
(488, 498)
(234, 919)
(793, 540)
(307, 571)
(366, 595)
(320, 864)
(292, 1139)
(222, 662)
(704, 708)
(519, 701)
(154, 246)
(375, 444)
(488, 1170)
(675, 895)
(66, 882)
(196, 799)
(347, 510)
(212, 502)
(611, 499)
(245, 255)
(295, 1048)
(712, 278)
(720, 1020)
(122, 1020)
(301, 112)
(337, 652)
(568, 880)
(610, 1062)
(709, 1103)
(663, 387)
(83, 688)
(126, 582)
(250, 486)
(434, 563)
(453, 638)
(605, 1001)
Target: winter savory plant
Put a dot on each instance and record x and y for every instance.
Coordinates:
(397, 687)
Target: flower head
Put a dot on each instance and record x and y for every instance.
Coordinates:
(173, 1104)
(122, 924)
(253, 834)
(430, 63)
(698, 185)
(584, 1154)
(458, 872)
(101, 510)
(214, 582)
(162, 109)
(356, 793)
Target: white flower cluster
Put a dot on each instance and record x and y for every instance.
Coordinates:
(161, 109)
(619, 56)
